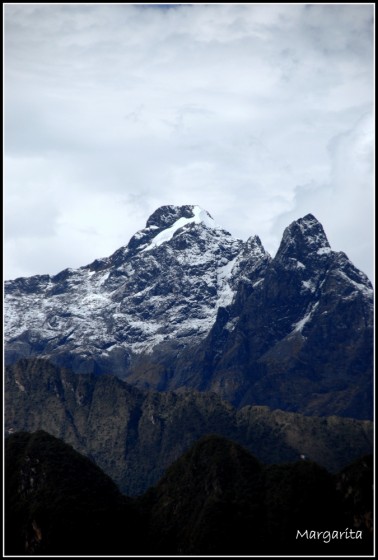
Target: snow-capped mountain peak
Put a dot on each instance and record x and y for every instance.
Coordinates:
(187, 304)
(168, 221)
(166, 284)
(165, 216)
(199, 216)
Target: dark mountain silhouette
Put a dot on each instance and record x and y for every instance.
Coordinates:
(59, 502)
(216, 499)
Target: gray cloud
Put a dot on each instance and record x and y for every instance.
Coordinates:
(259, 113)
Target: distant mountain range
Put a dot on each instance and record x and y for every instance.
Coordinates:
(217, 499)
(186, 305)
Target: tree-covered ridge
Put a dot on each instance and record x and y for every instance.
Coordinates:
(134, 435)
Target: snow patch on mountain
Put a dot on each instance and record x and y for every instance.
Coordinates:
(324, 250)
(199, 216)
(298, 327)
(308, 285)
(357, 286)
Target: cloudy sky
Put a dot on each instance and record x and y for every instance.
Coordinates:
(258, 113)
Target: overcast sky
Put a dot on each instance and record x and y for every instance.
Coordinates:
(258, 113)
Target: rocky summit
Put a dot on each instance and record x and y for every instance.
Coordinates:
(185, 304)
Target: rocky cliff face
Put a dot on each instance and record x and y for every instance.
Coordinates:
(185, 304)
(134, 435)
(302, 338)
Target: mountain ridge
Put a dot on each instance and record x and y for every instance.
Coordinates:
(185, 304)
(134, 434)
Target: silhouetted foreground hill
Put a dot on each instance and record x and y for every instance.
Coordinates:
(59, 502)
(216, 499)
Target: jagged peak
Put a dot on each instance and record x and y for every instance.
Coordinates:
(255, 241)
(254, 246)
(303, 236)
(166, 216)
(162, 225)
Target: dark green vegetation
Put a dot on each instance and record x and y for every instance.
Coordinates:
(134, 435)
(215, 499)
